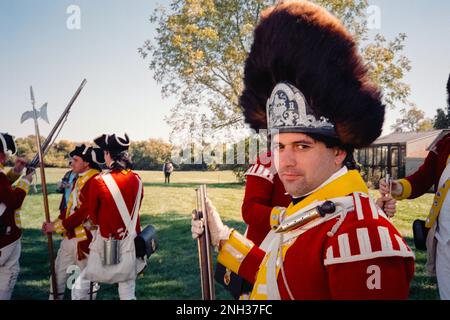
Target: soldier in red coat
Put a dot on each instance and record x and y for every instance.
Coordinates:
(16, 172)
(11, 199)
(71, 222)
(264, 191)
(304, 76)
(102, 209)
(435, 171)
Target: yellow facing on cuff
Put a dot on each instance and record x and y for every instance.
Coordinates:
(24, 185)
(80, 233)
(234, 251)
(406, 190)
(59, 228)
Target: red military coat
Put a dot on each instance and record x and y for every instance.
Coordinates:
(72, 224)
(102, 209)
(429, 173)
(12, 199)
(359, 255)
(263, 191)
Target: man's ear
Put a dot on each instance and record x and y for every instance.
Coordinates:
(340, 156)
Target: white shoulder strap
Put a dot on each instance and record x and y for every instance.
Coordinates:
(130, 222)
(2, 208)
(2, 205)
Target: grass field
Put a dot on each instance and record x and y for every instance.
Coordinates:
(173, 270)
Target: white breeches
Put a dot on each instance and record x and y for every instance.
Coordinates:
(443, 269)
(68, 268)
(9, 268)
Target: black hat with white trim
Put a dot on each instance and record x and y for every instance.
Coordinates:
(113, 143)
(7, 144)
(89, 154)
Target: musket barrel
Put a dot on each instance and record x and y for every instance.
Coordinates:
(204, 248)
(46, 144)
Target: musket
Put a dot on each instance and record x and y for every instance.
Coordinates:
(388, 177)
(46, 145)
(204, 247)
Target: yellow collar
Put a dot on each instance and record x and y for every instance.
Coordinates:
(74, 194)
(340, 187)
(85, 176)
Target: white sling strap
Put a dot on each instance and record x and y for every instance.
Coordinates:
(129, 221)
(2, 208)
(273, 242)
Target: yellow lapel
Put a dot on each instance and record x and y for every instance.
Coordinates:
(342, 186)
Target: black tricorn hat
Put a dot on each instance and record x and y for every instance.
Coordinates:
(326, 85)
(92, 155)
(113, 143)
(7, 144)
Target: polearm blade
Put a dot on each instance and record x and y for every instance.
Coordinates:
(46, 145)
(42, 113)
(51, 254)
(204, 248)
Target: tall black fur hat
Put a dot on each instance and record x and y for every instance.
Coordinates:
(304, 67)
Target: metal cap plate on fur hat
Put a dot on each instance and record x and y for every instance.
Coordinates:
(7, 144)
(88, 154)
(288, 111)
(300, 43)
(112, 142)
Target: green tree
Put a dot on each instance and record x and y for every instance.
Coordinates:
(425, 125)
(150, 154)
(200, 47)
(412, 120)
(26, 147)
(441, 120)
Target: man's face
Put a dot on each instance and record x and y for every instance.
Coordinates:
(302, 163)
(71, 164)
(79, 165)
(108, 159)
(20, 164)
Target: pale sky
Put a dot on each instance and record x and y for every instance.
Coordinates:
(38, 49)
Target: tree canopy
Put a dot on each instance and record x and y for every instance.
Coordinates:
(200, 47)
